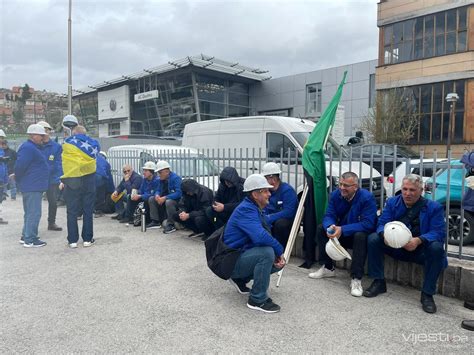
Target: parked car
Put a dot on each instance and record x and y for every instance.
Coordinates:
(425, 170)
(373, 152)
(437, 190)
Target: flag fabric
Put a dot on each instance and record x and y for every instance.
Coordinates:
(314, 161)
(79, 156)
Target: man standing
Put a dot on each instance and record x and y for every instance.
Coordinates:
(351, 215)
(52, 152)
(131, 181)
(32, 176)
(10, 157)
(79, 166)
(167, 195)
(261, 254)
(425, 219)
(281, 209)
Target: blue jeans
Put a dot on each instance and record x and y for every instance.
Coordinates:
(257, 264)
(80, 200)
(430, 255)
(32, 215)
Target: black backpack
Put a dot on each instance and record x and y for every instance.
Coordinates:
(221, 259)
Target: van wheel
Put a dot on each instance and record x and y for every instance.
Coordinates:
(454, 220)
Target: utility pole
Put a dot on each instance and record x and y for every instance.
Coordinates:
(69, 61)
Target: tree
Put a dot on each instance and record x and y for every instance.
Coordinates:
(18, 118)
(25, 93)
(3, 120)
(393, 120)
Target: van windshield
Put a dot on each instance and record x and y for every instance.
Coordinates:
(302, 137)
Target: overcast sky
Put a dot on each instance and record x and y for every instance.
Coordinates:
(114, 38)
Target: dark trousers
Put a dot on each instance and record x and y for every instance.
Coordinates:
(357, 242)
(159, 212)
(217, 219)
(101, 193)
(430, 255)
(79, 195)
(199, 224)
(52, 196)
(281, 229)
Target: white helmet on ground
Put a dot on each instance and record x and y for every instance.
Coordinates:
(35, 129)
(396, 234)
(2, 134)
(70, 121)
(336, 251)
(271, 169)
(256, 182)
(162, 164)
(149, 165)
(45, 125)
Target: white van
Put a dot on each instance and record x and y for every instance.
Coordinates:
(274, 138)
(186, 162)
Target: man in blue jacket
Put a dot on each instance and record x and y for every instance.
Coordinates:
(104, 184)
(281, 209)
(32, 176)
(351, 216)
(131, 181)
(164, 203)
(425, 219)
(261, 254)
(52, 152)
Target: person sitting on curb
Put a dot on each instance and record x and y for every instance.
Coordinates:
(131, 181)
(468, 324)
(425, 220)
(351, 215)
(229, 195)
(261, 254)
(191, 209)
(146, 190)
(281, 209)
(104, 185)
(165, 200)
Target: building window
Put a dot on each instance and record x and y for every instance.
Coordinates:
(114, 129)
(425, 37)
(372, 90)
(313, 99)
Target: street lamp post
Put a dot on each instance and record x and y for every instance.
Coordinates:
(69, 64)
(452, 98)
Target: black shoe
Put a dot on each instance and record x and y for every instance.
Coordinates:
(469, 305)
(170, 228)
(98, 214)
(377, 287)
(54, 227)
(268, 306)
(428, 303)
(153, 225)
(2, 221)
(468, 325)
(125, 220)
(194, 234)
(306, 265)
(240, 286)
(116, 216)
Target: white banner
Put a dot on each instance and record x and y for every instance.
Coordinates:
(153, 94)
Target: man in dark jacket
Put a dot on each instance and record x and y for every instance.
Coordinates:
(104, 185)
(191, 209)
(261, 254)
(52, 152)
(131, 181)
(229, 195)
(3, 170)
(10, 158)
(167, 195)
(351, 216)
(32, 176)
(425, 219)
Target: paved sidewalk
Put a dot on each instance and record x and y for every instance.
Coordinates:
(150, 292)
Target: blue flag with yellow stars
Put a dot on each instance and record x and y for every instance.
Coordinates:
(79, 156)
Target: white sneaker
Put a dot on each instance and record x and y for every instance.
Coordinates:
(356, 288)
(73, 245)
(322, 273)
(88, 244)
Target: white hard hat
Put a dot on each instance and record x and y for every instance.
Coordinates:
(271, 169)
(336, 251)
(70, 121)
(104, 154)
(396, 234)
(256, 182)
(35, 129)
(45, 124)
(149, 165)
(2, 133)
(162, 164)
(469, 181)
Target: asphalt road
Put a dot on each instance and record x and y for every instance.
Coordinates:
(152, 293)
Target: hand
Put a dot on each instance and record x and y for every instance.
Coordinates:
(218, 207)
(161, 200)
(157, 198)
(11, 176)
(61, 186)
(126, 177)
(279, 262)
(412, 244)
(114, 194)
(337, 233)
(136, 197)
(184, 216)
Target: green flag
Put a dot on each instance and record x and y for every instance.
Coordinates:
(314, 161)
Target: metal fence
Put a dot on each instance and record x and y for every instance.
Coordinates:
(444, 178)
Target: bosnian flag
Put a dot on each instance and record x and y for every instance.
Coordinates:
(79, 156)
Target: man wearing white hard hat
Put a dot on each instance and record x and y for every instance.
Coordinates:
(409, 217)
(164, 203)
(261, 254)
(52, 151)
(283, 203)
(350, 217)
(32, 177)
